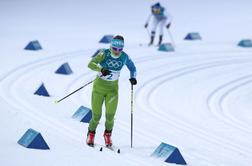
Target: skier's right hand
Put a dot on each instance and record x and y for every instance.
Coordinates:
(105, 72)
(146, 25)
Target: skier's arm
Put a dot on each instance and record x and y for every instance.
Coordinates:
(94, 63)
(132, 68)
(147, 21)
(168, 17)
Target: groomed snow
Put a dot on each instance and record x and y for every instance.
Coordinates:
(197, 98)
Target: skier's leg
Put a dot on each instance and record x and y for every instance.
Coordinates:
(161, 27)
(154, 24)
(160, 39)
(111, 101)
(97, 101)
(152, 38)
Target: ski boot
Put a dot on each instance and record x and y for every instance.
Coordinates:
(107, 138)
(90, 138)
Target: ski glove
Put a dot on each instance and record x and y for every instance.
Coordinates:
(105, 72)
(168, 25)
(146, 25)
(133, 81)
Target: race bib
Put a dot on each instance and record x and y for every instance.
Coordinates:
(113, 76)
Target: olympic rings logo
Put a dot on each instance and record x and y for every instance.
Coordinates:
(113, 63)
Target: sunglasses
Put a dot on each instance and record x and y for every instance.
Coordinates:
(156, 10)
(117, 49)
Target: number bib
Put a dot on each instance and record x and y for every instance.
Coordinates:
(113, 76)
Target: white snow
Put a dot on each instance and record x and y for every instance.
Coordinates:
(197, 98)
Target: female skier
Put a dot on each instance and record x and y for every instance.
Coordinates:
(108, 63)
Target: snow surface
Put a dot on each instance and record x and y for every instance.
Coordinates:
(197, 98)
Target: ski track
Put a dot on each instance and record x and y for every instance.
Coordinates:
(16, 101)
(20, 73)
(208, 65)
(123, 127)
(14, 80)
(214, 65)
(161, 79)
(216, 99)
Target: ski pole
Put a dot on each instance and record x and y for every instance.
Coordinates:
(148, 32)
(131, 101)
(57, 101)
(172, 40)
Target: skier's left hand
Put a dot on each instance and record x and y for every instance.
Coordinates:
(146, 25)
(133, 81)
(168, 25)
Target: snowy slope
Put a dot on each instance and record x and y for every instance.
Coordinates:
(197, 98)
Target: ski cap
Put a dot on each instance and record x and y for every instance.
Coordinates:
(157, 4)
(117, 42)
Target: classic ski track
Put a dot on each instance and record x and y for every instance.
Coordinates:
(123, 126)
(30, 110)
(13, 97)
(218, 111)
(164, 117)
(12, 87)
(147, 106)
(144, 60)
(160, 81)
(140, 133)
(226, 112)
(19, 104)
(77, 100)
(50, 120)
(42, 63)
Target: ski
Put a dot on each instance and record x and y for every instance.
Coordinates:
(101, 147)
(94, 146)
(113, 148)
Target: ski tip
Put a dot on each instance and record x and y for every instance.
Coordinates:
(56, 102)
(101, 149)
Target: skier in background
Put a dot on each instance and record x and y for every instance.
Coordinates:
(108, 63)
(160, 17)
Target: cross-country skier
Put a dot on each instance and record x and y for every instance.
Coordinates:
(159, 17)
(108, 63)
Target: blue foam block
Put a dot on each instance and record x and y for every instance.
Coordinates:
(169, 154)
(33, 139)
(33, 45)
(193, 36)
(41, 91)
(106, 39)
(64, 69)
(83, 114)
(245, 43)
(167, 47)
